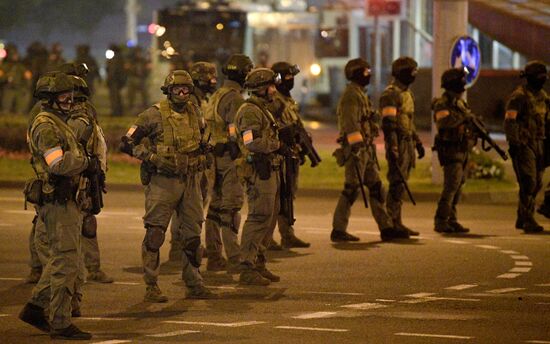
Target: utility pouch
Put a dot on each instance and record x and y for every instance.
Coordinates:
(234, 150)
(219, 149)
(262, 165)
(33, 191)
(182, 164)
(145, 173)
(245, 169)
(340, 156)
(89, 226)
(64, 190)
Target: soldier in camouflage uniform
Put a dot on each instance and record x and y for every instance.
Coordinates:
(260, 164)
(524, 126)
(59, 162)
(83, 56)
(453, 142)
(172, 166)
(138, 71)
(286, 111)
(223, 218)
(204, 75)
(358, 126)
(397, 108)
(16, 78)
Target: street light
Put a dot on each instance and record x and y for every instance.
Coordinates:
(109, 54)
(315, 69)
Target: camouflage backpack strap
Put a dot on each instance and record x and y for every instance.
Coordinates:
(165, 113)
(266, 112)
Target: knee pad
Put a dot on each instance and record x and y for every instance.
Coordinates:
(154, 238)
(192, 249)
(350, 192)
(89, 226)
(377, 192)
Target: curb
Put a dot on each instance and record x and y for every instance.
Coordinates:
(507, 197)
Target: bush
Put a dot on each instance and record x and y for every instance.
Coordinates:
(482, 166)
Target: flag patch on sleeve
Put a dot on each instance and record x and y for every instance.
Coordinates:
(354, 137)
(389, 111)
(248, 137)
(131, 130)
(53, 156)
(232, 130)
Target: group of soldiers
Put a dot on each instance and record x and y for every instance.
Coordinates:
(206, 147)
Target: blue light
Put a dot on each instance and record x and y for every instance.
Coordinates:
(466, 54)
(131, 43)
(234, 24)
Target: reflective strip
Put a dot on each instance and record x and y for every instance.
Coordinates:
(511, 114)
(441, 114)
(53, 156)
(232, 130)
(354, 137)
(389, 111)
(131, 130)
(248, 137)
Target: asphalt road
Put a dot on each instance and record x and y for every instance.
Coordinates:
(491, 286)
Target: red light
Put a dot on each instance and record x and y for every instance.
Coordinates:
(3, 53)
(152, 28)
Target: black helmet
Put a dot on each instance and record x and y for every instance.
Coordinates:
(534, 68)
(176, 77)
(454, 79)
(260, 78)
(80, 86)
(237, 67)
(53, 83)
(401, 64)
(203, 72)
(354, 65)
(285, 68)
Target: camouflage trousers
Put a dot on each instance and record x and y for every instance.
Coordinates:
(404, 162)
(454, 176)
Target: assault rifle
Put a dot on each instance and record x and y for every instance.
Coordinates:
(479, 128)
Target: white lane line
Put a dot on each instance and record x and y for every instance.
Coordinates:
(509, 251)
(312, 329)
(205, 323)
(315, 315)
(449, 336)
(520, 269)
(29, 211)
(223, 287)
(172, 334)
(489, 247)
(504, 290)
(519, 257)
(543, 285)
(509, 275)
(364, 306)
(460, 242)
(127, 283)
(384, 300)
(332, 293)
(12, 199)
(538, 341)
(11, 279)
(103, 319)
(420, 295)
(523, 263)
(4, 315)
(6, 224)
(462, 287)
(114, 341)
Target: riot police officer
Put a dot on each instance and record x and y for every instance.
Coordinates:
(524, 124)
(453, 142)
(59, 162)
(358, 127)
(172, 165)
(397, 108)
(286, 111)
(223, 218)
(261, 161)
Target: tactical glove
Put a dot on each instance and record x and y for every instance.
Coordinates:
(420, 150)
(163, 164)
(93, 166)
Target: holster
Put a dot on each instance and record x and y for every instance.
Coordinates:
(145, 172)
(262, 165)
(33, 191)
(64, 190)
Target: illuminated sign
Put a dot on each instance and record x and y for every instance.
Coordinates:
(465, 54)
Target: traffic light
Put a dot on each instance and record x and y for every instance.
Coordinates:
(383, 7)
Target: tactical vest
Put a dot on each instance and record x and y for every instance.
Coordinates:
(532, 121)
(69, 143)
(405, 115)
(291, 110)
(96, 145)
(368, 120)
(270, 130)
(216, 124)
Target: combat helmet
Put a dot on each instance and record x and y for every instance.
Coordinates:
(260, 78)
(51, 84)
(237, 67)
(354, 65)
(401, 64)
(77, 69)
(177, 77)
(285, 68)
(203, 73)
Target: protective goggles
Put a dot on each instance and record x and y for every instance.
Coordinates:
(180, 89)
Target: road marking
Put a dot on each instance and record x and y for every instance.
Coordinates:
(205, 323)
(420, 295)
(538, 341)
(364, 306)
(508, 275)
(127, 283)
(6, 224)
(102, 319)
(11, 279)
(437, 298)
(523, 263)
(384, 300)
(4, 315)
(519, 257)
(16, 199)
(520, 270)
(224, 287)
(312, 329)
(509, 251)
(20, 211)
(431, 335)
(504, 290)
(462, 287)
(114, 341)
(489, 247)
(316, 315)
(332, 293)
(543, 285)
(172, 334)
(460, 242)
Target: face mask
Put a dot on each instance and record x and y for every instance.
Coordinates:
(286, 85)
(457, 86)
(407, 76)
(536, 82)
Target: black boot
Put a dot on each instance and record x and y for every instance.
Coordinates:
(391, 233)
(34, 316)
(72, 333)
(544, 209)
(339, 236)
(458, 228)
